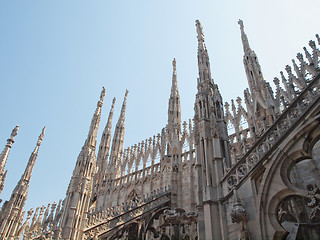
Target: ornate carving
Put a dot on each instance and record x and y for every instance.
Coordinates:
(180, 223)
(277, 130)
(252, 159)
(43, 226)
(232, 181)
(314, 204)
(103, 221)
(300, 209)
(242, 170)
(239, 215)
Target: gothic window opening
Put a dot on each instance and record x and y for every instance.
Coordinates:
(126, 170)
(149, 161)
(140, 164)
(299, 217)
(157, 157)
(185, 146)
(244, 128)
(230, 127)
(306, 171)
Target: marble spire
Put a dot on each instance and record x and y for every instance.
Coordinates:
(262, 100)
(4, 156)
(12, 210)
(93, 131)
(76, 203)
(118, 138)
(203, 57)
(174, 108)
(244, 38)
(103, 152)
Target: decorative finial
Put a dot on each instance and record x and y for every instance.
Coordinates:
(238, 213)
(226, 106)
(103, 93)
(312, 44)
(244, 38)
(174, 87)
(174, 64)
(240, 22)
(14, 132)
(111, 114)
(41, 136)
(199, 30)
(318, 38)
(239, 100)
(184, 124)
(29, 214)
(123, 109)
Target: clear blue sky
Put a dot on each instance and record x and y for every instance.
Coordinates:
(55, 56)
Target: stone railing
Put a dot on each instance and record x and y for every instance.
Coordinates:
(273, 136)
(287, 89)
(152, 150)
(239, 147)
(135, 176)
(105, 221)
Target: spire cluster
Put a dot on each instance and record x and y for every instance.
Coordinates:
(197, 164)
(11, 212)
(118, 140)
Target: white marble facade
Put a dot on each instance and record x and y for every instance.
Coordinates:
(193, 180)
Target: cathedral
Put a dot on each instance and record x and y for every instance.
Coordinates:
(248, 169)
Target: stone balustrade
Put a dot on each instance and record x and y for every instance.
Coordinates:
(273, 136)
(104, 221)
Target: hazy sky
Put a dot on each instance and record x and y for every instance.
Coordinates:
(55, 56)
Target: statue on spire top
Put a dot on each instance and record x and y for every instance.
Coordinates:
(174, 64)
(14, 132)
(199, 30)
(103, 93)
(240, 22)
(41, 136)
